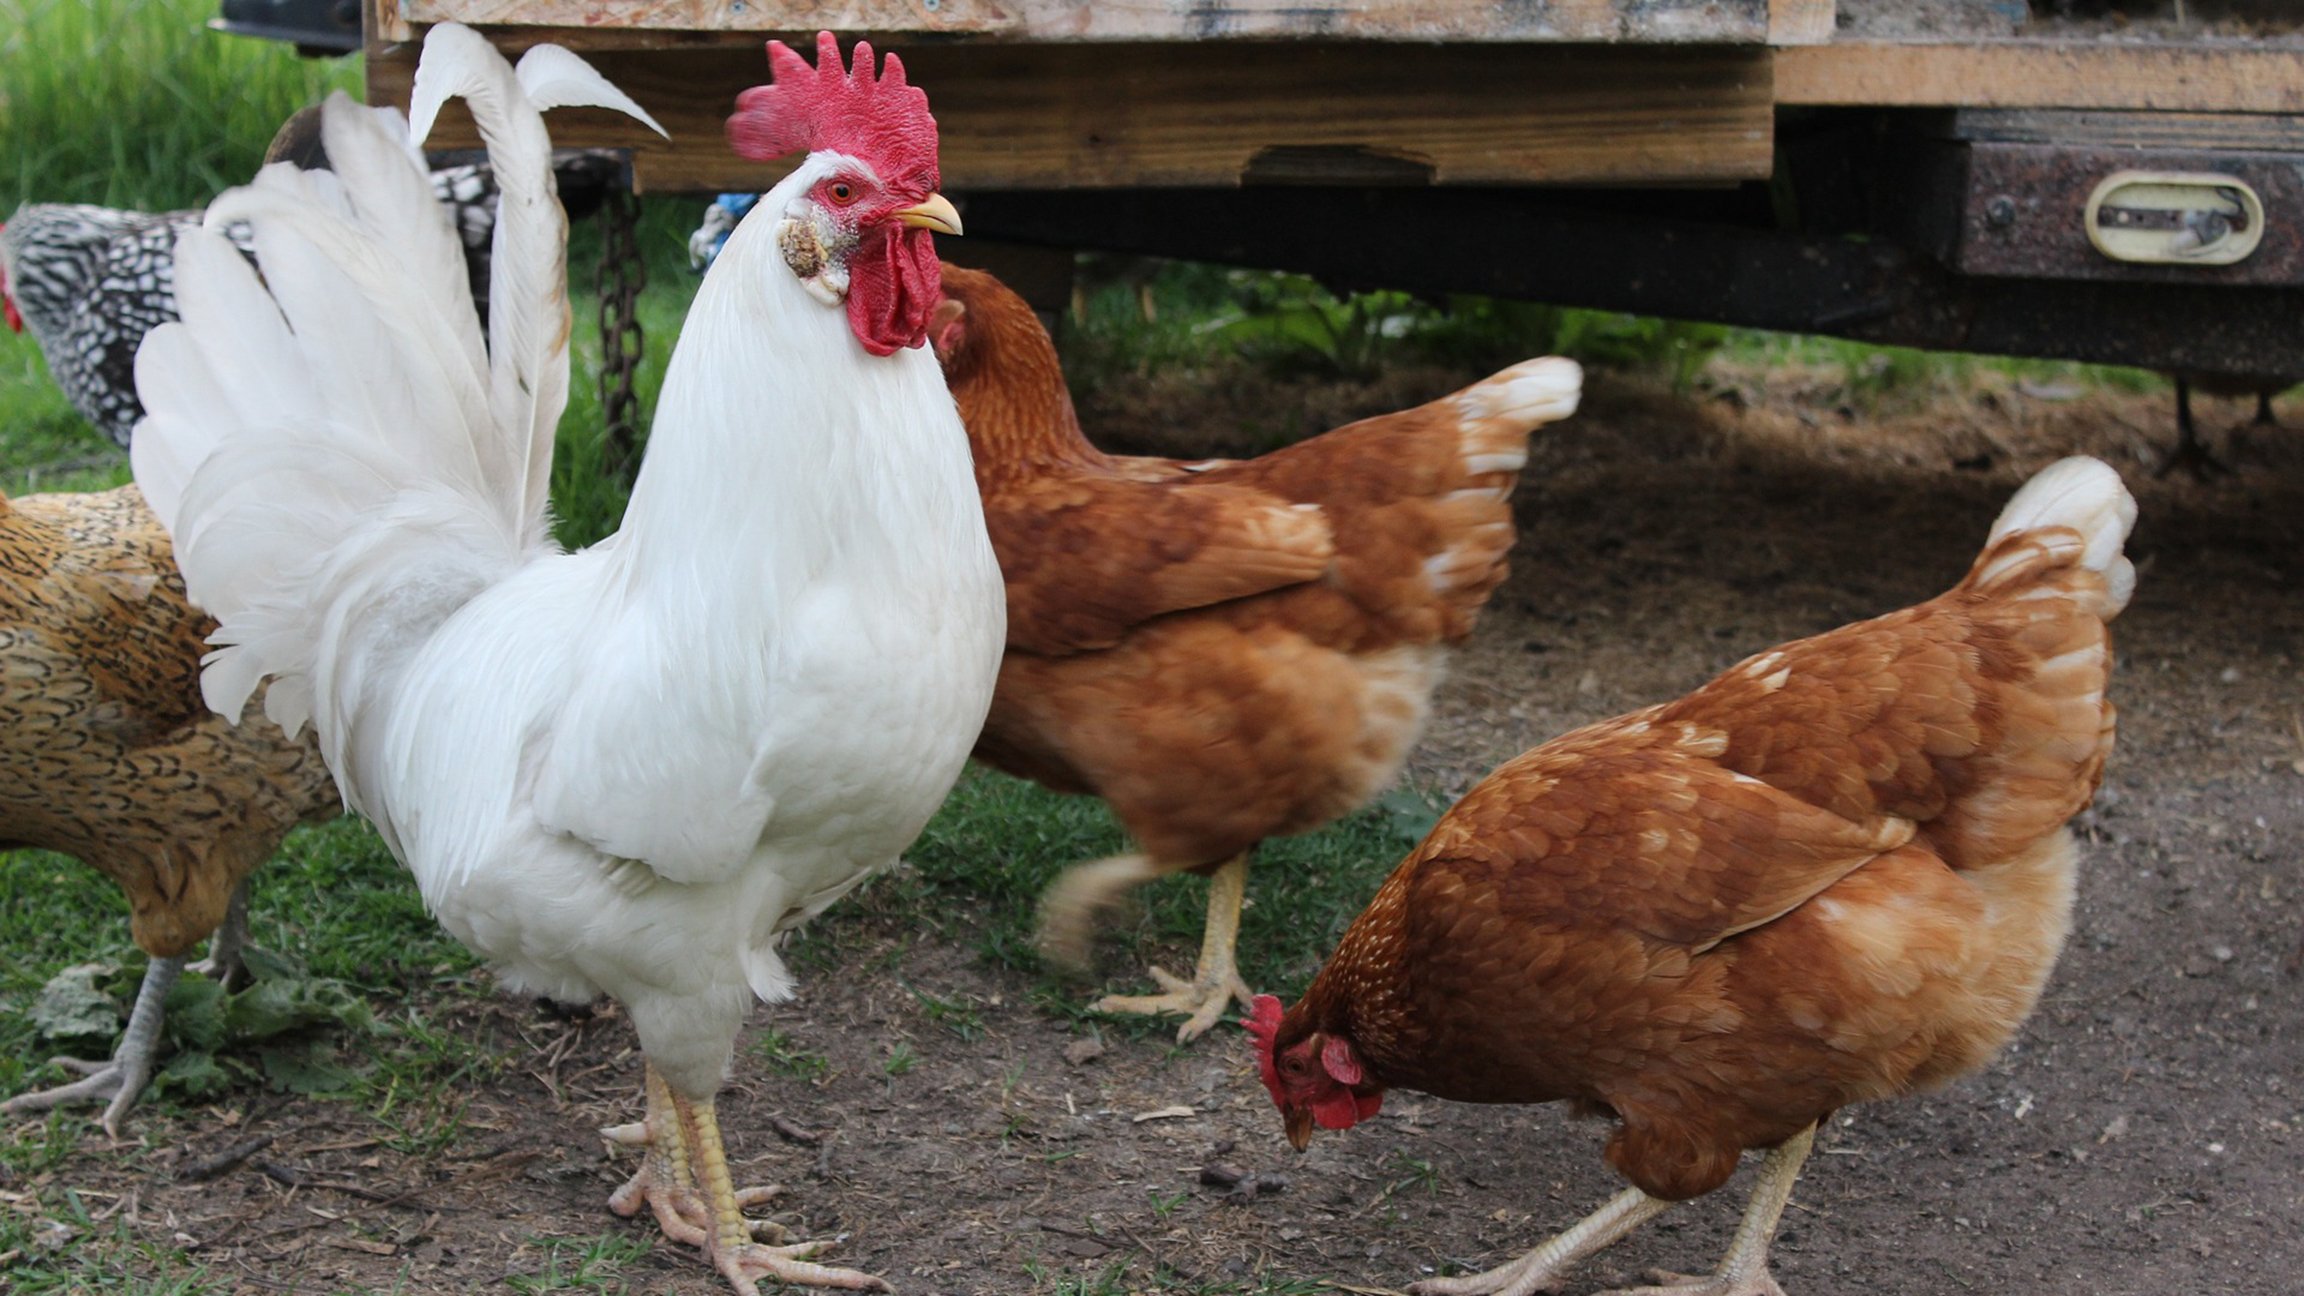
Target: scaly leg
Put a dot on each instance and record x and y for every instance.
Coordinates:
(741, 1260)
(123, 1078)
(1215, 982)
(1543, 1268)
(1744, 1270)
(666, 1179)
(225, 944)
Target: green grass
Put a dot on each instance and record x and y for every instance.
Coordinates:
(133, 103)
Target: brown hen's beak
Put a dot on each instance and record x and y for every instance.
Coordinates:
(936, 213)
(1299, 1121)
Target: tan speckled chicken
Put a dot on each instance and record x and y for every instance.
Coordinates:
(108, 754)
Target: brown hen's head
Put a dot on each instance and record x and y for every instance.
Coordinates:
(1315, 1078)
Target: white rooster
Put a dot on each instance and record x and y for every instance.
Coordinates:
(632, 768)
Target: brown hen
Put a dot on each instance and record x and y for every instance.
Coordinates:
(1223, 651)
(1838, 872)
(107, 752)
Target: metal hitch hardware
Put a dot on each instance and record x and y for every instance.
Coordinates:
(2175, 218)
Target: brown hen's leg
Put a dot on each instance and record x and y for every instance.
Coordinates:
(1543, 1268)
(1068, 911)
(1744, 1270)
(123, 1078)
(1215, 983)
(739, 1259)
(226, 944)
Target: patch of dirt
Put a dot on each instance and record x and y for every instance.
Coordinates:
(2143, 1135)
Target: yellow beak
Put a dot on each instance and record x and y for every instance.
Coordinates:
(937, 213)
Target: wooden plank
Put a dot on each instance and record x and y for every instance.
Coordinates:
(2045, 74)
(1801, 22)
(2176, 130)
(1738, 22)
(1064, 116)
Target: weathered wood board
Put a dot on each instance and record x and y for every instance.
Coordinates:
(2226, 77)
(1732, 22)
(1219, 113)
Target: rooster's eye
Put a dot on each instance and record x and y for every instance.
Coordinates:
(843, 193)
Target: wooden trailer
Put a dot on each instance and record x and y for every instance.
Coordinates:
(2112, 180)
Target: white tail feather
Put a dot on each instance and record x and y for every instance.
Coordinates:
(340, 462)
(2087, 496)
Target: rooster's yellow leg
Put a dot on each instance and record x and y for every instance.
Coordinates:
(1215, 983)
(1744, 1270)
(665, 1182)
(739, 1259)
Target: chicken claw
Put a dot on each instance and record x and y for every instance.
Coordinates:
(729, 1244)
(123, 1078)
(1544, 1268)
(746, 1263)
(1215, 982)
(665, 1183)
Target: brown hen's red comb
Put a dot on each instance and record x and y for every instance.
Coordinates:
(875, 117)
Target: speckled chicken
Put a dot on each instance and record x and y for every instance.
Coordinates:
(89, 282)
(107, 752)
(1224, 651)
(1838, 872)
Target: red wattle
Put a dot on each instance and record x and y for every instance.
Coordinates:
(893, 284)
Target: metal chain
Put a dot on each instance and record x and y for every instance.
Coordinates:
(620, 277)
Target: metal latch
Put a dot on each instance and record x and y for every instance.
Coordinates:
(2175, 217)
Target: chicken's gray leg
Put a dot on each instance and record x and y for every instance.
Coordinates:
(123, 1078)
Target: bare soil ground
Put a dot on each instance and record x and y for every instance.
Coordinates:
(2144, 1135)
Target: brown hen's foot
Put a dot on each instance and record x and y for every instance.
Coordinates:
(123, 1078)
(1215, 983)
(1744, 1270)
(729, 1246)
(1546, 1267)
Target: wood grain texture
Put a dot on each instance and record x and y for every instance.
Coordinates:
(1046, 116)
(1801, 22)
(1732, 22)
(2044, 74)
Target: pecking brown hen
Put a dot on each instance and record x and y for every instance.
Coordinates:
(1838, 872)
(107, 752)
(1224, 651)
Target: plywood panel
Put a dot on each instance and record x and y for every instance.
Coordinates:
(1748, 22)
(2045, 74)
(1051, 116)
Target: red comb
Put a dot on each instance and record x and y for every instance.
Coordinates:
(875, 117)
(1264, 1019)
